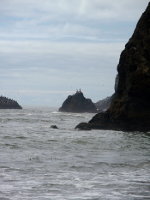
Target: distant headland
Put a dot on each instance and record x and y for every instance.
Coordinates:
(78, 103)
(6, 103)
(103, 104)
(130, 106)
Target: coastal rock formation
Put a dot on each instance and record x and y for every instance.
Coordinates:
(104, 104)
(78, 103)
(130, 108)
(6, 103)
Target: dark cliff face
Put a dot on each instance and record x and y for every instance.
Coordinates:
(130, 107)
(78, 103)
(133, 83)
(6, 103)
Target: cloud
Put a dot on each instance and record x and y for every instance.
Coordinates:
(49, 9)
(71, 19)
(37, 92)
(124, 10)
(60, 48)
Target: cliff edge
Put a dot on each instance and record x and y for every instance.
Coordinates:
(130, 107)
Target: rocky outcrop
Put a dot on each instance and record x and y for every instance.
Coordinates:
(104, 104)
(78, 103)
(6, 103)
(130, 108)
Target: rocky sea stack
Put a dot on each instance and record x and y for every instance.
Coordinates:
(130, 107)
(78, 103)
(6, 103)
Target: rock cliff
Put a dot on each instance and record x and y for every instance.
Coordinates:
(6, 103)
(78, 103)
(130, 108)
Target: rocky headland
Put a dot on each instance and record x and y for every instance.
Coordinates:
(6, 103)
(104, 104)
(130, 107)
(77, 103)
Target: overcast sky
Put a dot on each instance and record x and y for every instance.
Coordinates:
(50, 48)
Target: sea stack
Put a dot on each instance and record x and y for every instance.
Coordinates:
(77, 103)
(6, 103)
(130, 107)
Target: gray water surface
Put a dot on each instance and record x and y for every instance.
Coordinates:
(40, 163)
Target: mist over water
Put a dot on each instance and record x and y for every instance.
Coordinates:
(41, 163)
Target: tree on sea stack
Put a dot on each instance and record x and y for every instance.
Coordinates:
(130, 107)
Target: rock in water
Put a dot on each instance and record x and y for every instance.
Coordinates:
(6, 103)
(130, 108)
(78, 103)
(54, 127)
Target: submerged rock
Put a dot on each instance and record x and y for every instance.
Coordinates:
(130, 107)
(6, 103)
(54, 127)
(78, 103)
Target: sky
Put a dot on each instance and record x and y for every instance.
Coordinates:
(50, 48)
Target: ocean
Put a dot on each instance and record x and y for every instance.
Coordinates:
(41, 163)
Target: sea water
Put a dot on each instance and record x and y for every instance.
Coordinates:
(41, 163)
